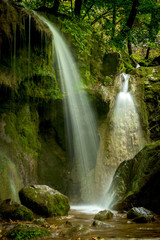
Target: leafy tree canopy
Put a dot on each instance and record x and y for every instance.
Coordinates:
(135, 21)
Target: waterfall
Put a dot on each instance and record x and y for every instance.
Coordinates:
(126, 138)
(126, 124)
(80, 121)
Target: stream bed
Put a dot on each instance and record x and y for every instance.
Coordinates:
(78, 226)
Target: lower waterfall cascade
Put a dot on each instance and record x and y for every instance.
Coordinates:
(126, 138)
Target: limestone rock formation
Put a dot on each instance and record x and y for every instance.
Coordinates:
(44, 200)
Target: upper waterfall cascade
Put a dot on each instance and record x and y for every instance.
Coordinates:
(80, 121)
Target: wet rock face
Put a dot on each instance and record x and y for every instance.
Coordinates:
(149, 83)
(140, 215)
(136, 181)
(27, 82)
(44, 200)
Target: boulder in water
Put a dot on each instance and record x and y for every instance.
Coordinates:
(103, 215)
(100, 224)
(136, 181)
(140, 215)
(15, 211)
(45, 201)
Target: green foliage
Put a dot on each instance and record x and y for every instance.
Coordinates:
(34, 4)
(26, 232)
(81, 34)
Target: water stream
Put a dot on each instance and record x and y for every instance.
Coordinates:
(80, 121)
(126, 124)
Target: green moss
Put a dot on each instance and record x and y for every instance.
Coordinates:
(24, 214)
(25, 232)
(45, 203)
(23, 127)
(12, 210)
(103, 215)
(126, 63)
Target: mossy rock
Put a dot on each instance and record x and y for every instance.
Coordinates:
(26, 232)
(15, 211)
(77, 230)
(103, 215)
(44, 200)
(141, 215)
(136, 181)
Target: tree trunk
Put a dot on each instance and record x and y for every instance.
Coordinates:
(132, 14)
(123, 34)
(129, 47)
(147, 53)
(56, 6)
(77, 9)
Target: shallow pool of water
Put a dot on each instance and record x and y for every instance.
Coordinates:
(117, 228)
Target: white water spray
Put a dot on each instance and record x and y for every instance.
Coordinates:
(127, 129)
(126, 138)
(80, 122)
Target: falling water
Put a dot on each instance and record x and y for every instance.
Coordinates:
(80, 122)
(126, 136)
(126, 123)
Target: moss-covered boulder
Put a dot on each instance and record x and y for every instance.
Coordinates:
(44, 200)
(27, 231)
(111, 63)
(137, 181)
(103, 215)
(140, 215)
(15, 211)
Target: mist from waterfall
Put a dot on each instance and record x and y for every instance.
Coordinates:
(80, 121)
